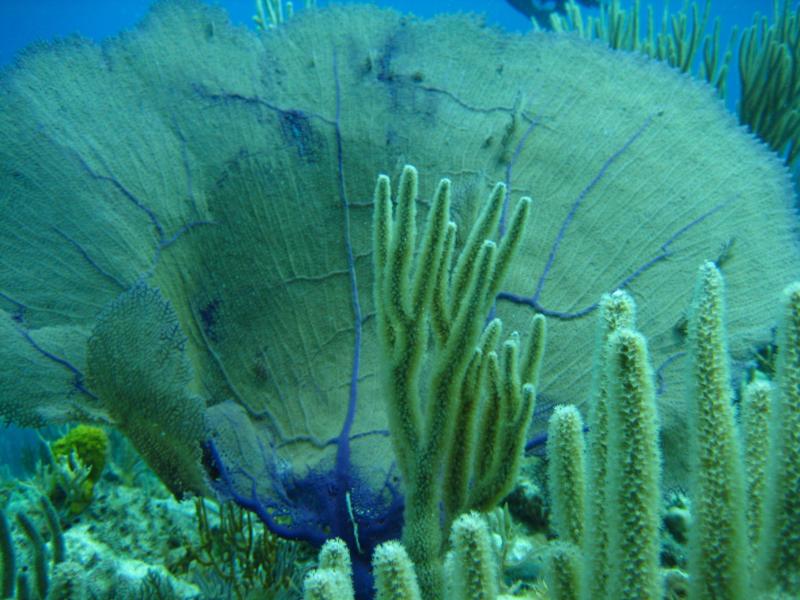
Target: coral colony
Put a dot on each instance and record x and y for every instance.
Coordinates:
(222, 282)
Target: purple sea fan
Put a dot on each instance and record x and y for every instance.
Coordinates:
(185, 232)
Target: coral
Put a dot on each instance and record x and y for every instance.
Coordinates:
(718, 537)
(769, 67)
(58, 545)
(395, 578)
(634, 469)
(334, 555)
(767, 58)
(83, 447)
(755, 416)
(67, 483)
(675, 42)
(327, 584)
(90, 445)
(39, 553)
(720, 561)
(564, 572)
(243, 555)
(566, 473)
(7, 558)
(271, 13)
(12, 578)
(186, 247)
(471, 564)
(504, 535)
(780, 538)
(628, 443)
(633, 456)
(332, 579)
(220, 261)
(472, 570)
(440, 419)
(616, 310)
(159, 415)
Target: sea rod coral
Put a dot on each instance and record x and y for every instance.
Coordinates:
(186, 233)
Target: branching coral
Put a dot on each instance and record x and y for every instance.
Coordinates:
(456, 444)
(35, 561)
(472, 569)
(244, 556)
(675, 41)
(769, 72)
(768, 58)
(186, 248)
(271, 13)
(720, 558)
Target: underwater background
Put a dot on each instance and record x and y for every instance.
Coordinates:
(84, 515)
